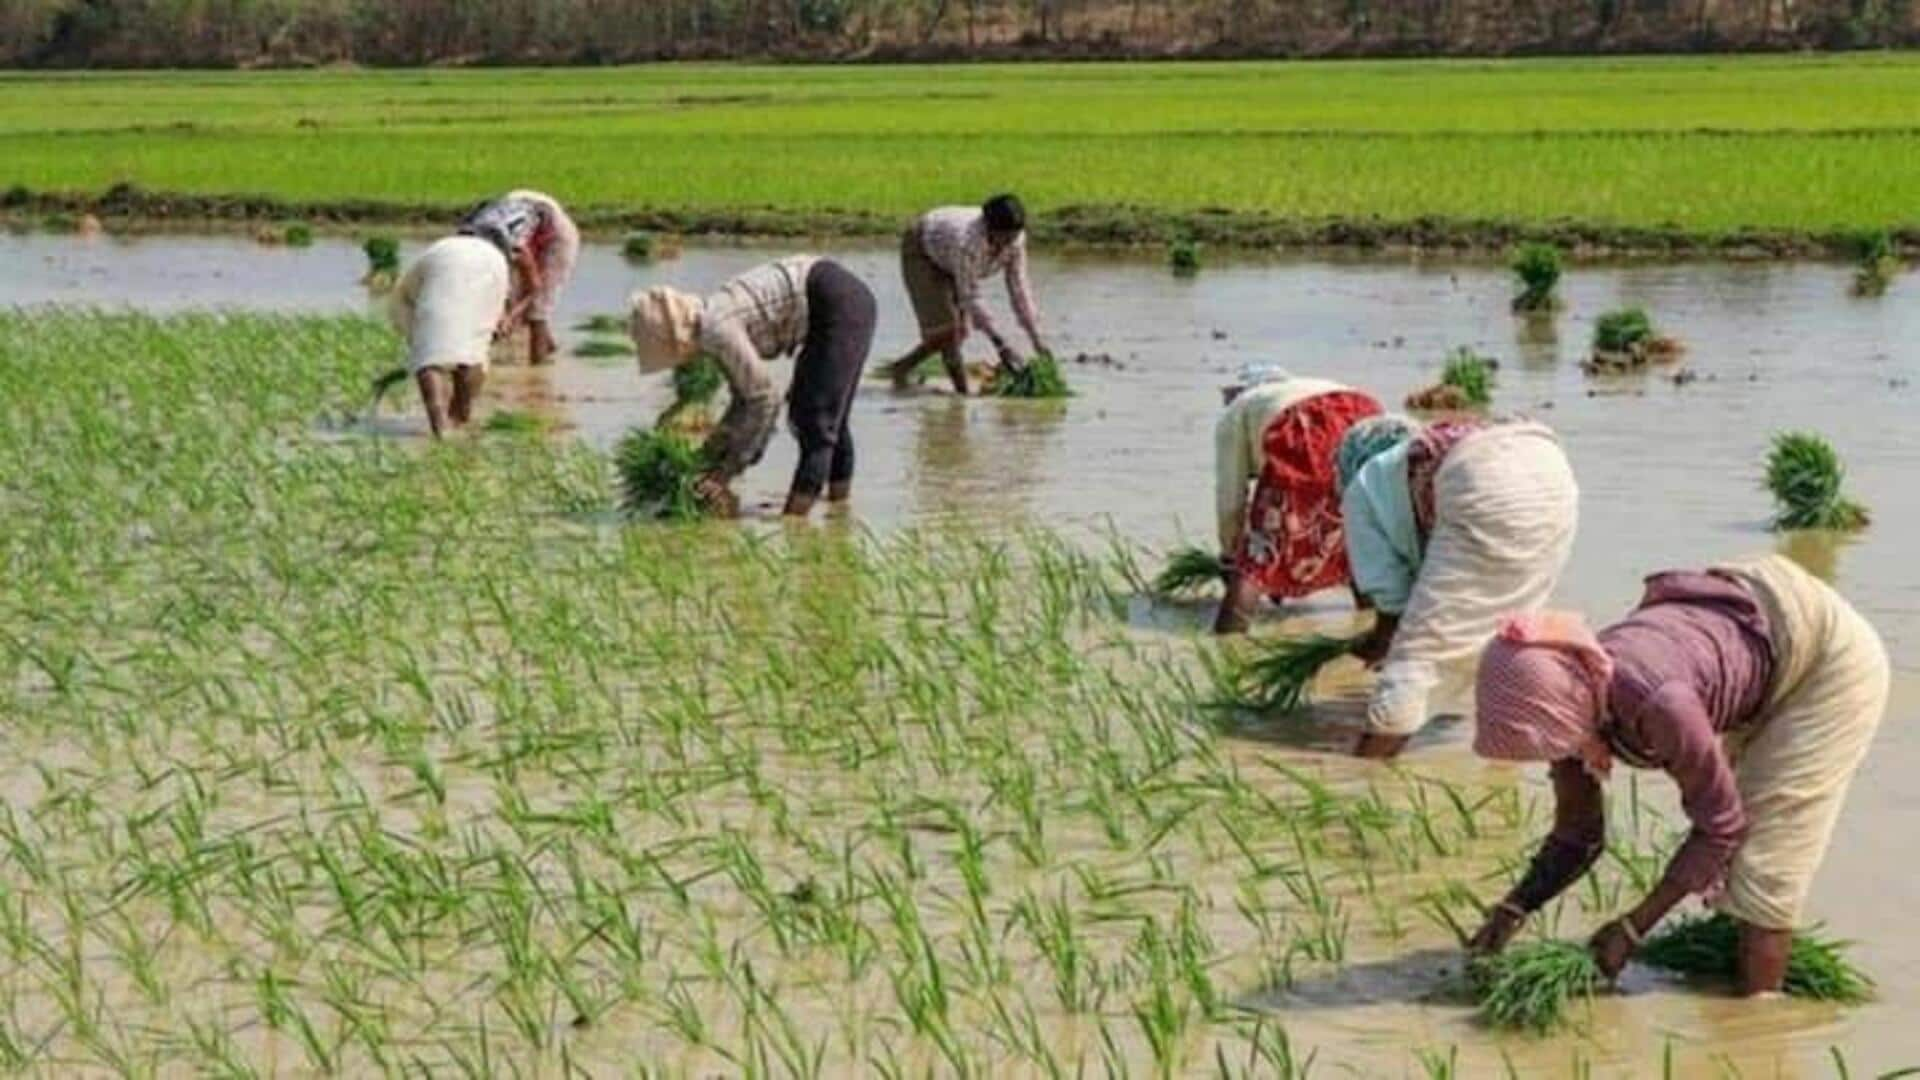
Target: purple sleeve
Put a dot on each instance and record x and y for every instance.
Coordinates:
(1677, 731)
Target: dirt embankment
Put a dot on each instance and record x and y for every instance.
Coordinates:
(135, 33)
(130, 207)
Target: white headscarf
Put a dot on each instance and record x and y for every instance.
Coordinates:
(665, 325)
(1258, 374)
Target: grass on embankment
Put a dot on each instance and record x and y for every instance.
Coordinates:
(1644, 153)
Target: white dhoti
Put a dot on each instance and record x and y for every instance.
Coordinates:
(1506, 509)
(1795, 761)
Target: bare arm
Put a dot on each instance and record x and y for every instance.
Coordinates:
(1020, 294)
(752, 414)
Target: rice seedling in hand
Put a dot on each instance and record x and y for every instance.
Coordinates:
(1276, 677)
(1040, 378)
(1183, 257)
(658, 471)
(1805, 476)
(1538, 268)
(1531, 986)
(1708, 946)
(1189, 569)
(1876, 263)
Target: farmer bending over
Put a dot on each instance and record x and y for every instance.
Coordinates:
(803, 304)
(1280, 434)
(944, 256)
(447, 305)
(532, 231)
(1450, 527)
(1754, 686)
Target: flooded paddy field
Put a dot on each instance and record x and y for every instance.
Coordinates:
(378, 754)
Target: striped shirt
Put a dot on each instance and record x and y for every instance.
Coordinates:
(955, 239)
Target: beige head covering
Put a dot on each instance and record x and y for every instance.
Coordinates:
(665, 324)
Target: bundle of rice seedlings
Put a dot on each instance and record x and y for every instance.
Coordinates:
(698, 381)
(1041, 378)
(383, 260)
(1188, 570)
(1530, 987)
(515, 422)
(638, 246)
(603, 346)
(1622, 331)
(1708, 946)
(1471, 373)
(1875, 263)
(1538, 268)
(1805, 475)
(298, 235)
(1277, 677)
(612, 325)
(1183, 257)
(657, 474)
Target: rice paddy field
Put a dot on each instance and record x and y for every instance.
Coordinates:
(333, 751)
(1686, 148)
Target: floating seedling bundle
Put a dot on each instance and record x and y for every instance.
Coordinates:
(1040, 378)
(1538, 268)
(658, 474)
(1183, 257)
(1188, 570)
(1625, 339)
(1876, 263)
(1805, 476)
(1532, 986)
(1277, 677)
(1465, 383)
(595, 347)
(1709, 947)
(601, 324)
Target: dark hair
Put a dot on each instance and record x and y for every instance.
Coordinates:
(1004, 214)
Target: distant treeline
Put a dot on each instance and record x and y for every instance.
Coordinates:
(239, 33)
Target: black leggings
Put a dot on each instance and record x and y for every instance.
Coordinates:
(840, 319)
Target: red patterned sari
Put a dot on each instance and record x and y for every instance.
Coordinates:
(1294, 543)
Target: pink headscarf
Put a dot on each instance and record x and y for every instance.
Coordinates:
(1542, 690)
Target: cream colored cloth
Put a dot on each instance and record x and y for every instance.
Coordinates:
(1505, 512)
(558, 258)
(449, 301)
(1794, 763)
(1239, 446)
(665, 326)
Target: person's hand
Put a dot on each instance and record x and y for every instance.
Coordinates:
(1372, 649)
(1502, 923)
(714, 494)
(1011, 361)
(1612, 946)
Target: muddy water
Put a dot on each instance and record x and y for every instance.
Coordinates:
(1670, 475)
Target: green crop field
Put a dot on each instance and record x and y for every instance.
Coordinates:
(1689, 147)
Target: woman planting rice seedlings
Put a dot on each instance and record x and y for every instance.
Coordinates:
(1753, 685)
(944, 256)
(1278, 438)
(1449, 527)
(535, 233)
(447, 305)
(803, 305)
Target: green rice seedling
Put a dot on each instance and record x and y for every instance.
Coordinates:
(601, 324)
(637, 247)
(698, 381)
(597, 347)
(1538, 268)
(383, 260)
(1276, 677)
(1531, 986)
(516, 422)
(1189, 569)
(1623, 330)
(1805, 476)
(1876, 262)
(1183, 257)
(1472, 374)
(657, 474)
(298, 234)
(1040, 378)
(1709, 947)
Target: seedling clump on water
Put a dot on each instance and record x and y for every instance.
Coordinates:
(601, 324)
(1183, 257)
(1625, 338)
(1876, 263)
(1465, 383)
(603, 346)
(637, 247)
(1805, 476)
(1709, 947)
(1040, 378)
(1538, 268)
(1188, 570)
(383, 261)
